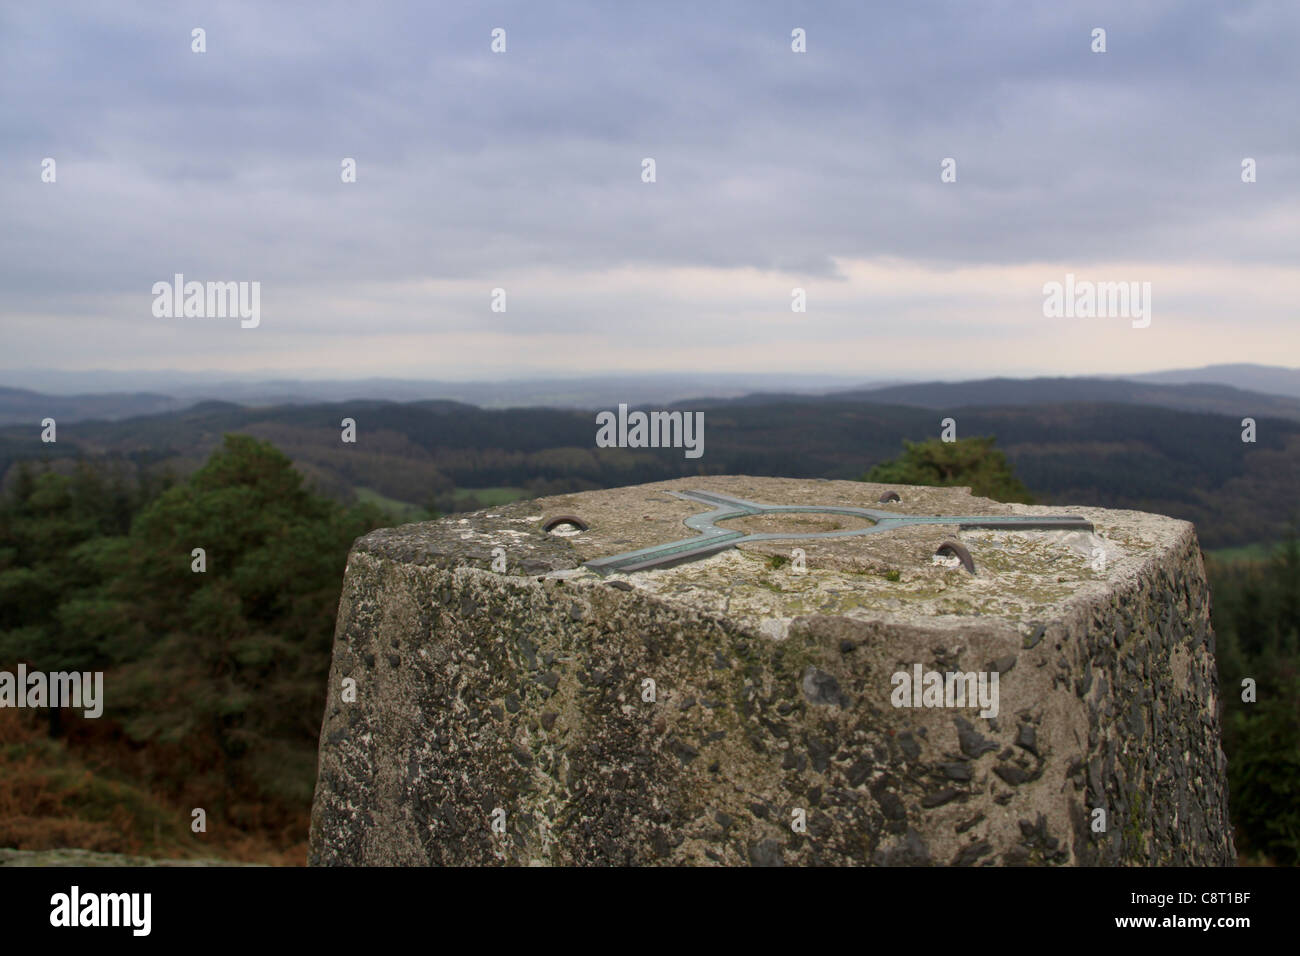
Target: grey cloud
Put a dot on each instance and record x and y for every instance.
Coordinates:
(226, 165)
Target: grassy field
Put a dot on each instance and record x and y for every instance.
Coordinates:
(489, 497)
(467, 499)
(398, 509)
(1258, 551)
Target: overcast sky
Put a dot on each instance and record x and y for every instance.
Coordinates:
(522, 170)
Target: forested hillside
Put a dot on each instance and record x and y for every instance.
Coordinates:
(429, 454)
(215, 671)
(214, 663)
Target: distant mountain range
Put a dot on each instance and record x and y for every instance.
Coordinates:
(1220, 399)
(1133, 449)
(1149, 443)
(19, 405)
(1239, 389)
(1270, 379)
(576, 392)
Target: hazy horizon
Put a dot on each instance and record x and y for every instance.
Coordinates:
(699, 383)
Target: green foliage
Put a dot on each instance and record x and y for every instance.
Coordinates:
(1264, 772)
(399, 512)
(968, 461)
(53, 533)
(222, 672)
(1257, 625)
(235, 656)
(472, 499)
(216, 680)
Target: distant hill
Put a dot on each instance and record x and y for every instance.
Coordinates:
(1272, 379)
(1227, 389)
(1189, 464)
(572, 392)
(1220, 399)
(20, 405)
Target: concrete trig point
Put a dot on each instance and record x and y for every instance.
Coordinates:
(530, 710)
(712, 539)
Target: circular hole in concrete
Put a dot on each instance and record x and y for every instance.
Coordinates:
(564, 525)
(955, 549)
(564, 529)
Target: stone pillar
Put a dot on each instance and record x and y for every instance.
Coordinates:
(753, 707)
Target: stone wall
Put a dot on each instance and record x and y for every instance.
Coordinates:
(520, 698)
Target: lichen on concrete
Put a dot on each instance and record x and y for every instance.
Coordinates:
(522, 698)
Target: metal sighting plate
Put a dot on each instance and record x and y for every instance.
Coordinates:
(712, 539)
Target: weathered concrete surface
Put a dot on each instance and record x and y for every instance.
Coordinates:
(523, 691)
